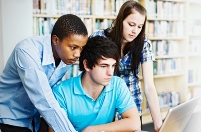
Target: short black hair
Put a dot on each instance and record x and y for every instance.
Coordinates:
(67, 25)
(97, 48)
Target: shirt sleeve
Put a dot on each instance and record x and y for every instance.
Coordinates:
(147, 52)
(98, 33)
(124, 99)
(37, 87)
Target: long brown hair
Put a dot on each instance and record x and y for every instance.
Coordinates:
(136, 46)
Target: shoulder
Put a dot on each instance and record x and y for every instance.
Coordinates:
(99, 33)
(147, 43)
(63, 85)
(117, 82)
(32, 43)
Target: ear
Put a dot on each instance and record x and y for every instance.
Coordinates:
(55, 39)
(85, 65)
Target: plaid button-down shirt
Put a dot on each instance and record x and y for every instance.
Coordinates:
(132, 82)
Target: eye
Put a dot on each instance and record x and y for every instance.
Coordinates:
(114, 65)
(131, 25)
(140, 26)
(72, 48)
(103, 66)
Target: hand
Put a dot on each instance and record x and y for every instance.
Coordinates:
(157, 129)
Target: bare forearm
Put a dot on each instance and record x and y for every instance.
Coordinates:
(124, 125)
(154, 107)
(151, 94)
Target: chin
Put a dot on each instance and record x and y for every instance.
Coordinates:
(129, 40)
(105, 84)
(68, 63)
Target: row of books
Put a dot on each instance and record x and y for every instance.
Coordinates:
(167, 66)
(165, 28)
(165, 47)
(194, 75)
(103, 23)
(43, 26)
(167, 99)
(58, 7)
(78, 7)
(165, 9)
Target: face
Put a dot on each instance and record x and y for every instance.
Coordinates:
(102, 72)
(69, 49)
(132, 26)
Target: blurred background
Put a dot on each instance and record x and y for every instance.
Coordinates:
(173, 26)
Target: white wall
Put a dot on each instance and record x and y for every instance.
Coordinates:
(15, 24)
(1, 45)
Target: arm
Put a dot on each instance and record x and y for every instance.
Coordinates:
(129, 123)
(37, 87)
(151, 94)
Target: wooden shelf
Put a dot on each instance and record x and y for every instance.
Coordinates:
(169, 56)
(57, 16)
(194, 84)
(165, 19)
(166, 38)
(194, 54)
(169, 75)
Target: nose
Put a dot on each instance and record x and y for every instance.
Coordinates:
(110, 71)
(134, 29)
(77, 53)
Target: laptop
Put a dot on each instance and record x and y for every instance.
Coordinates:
(178, 116)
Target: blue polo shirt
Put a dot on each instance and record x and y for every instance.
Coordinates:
(83, 110)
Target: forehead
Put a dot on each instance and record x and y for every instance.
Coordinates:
(106, 61)
(135, 17)
(76, 40)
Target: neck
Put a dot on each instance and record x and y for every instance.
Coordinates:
(56, 58)
(90, 87)
(57, 61)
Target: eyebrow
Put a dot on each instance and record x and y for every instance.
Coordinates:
(135, 23)
(74, 45)
(106, 64)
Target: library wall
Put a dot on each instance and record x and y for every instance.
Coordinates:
(16, 24)
(1, 46)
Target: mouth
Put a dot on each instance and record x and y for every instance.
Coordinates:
(132, 36)
(72, 61)
(107, 79)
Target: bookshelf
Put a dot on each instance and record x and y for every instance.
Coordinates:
(194, 47)
(166, 22)
(172, 28)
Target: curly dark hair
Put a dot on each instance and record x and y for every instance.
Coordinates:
(97, 48)
(69, 24)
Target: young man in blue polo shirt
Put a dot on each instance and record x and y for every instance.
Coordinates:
(92, 98)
